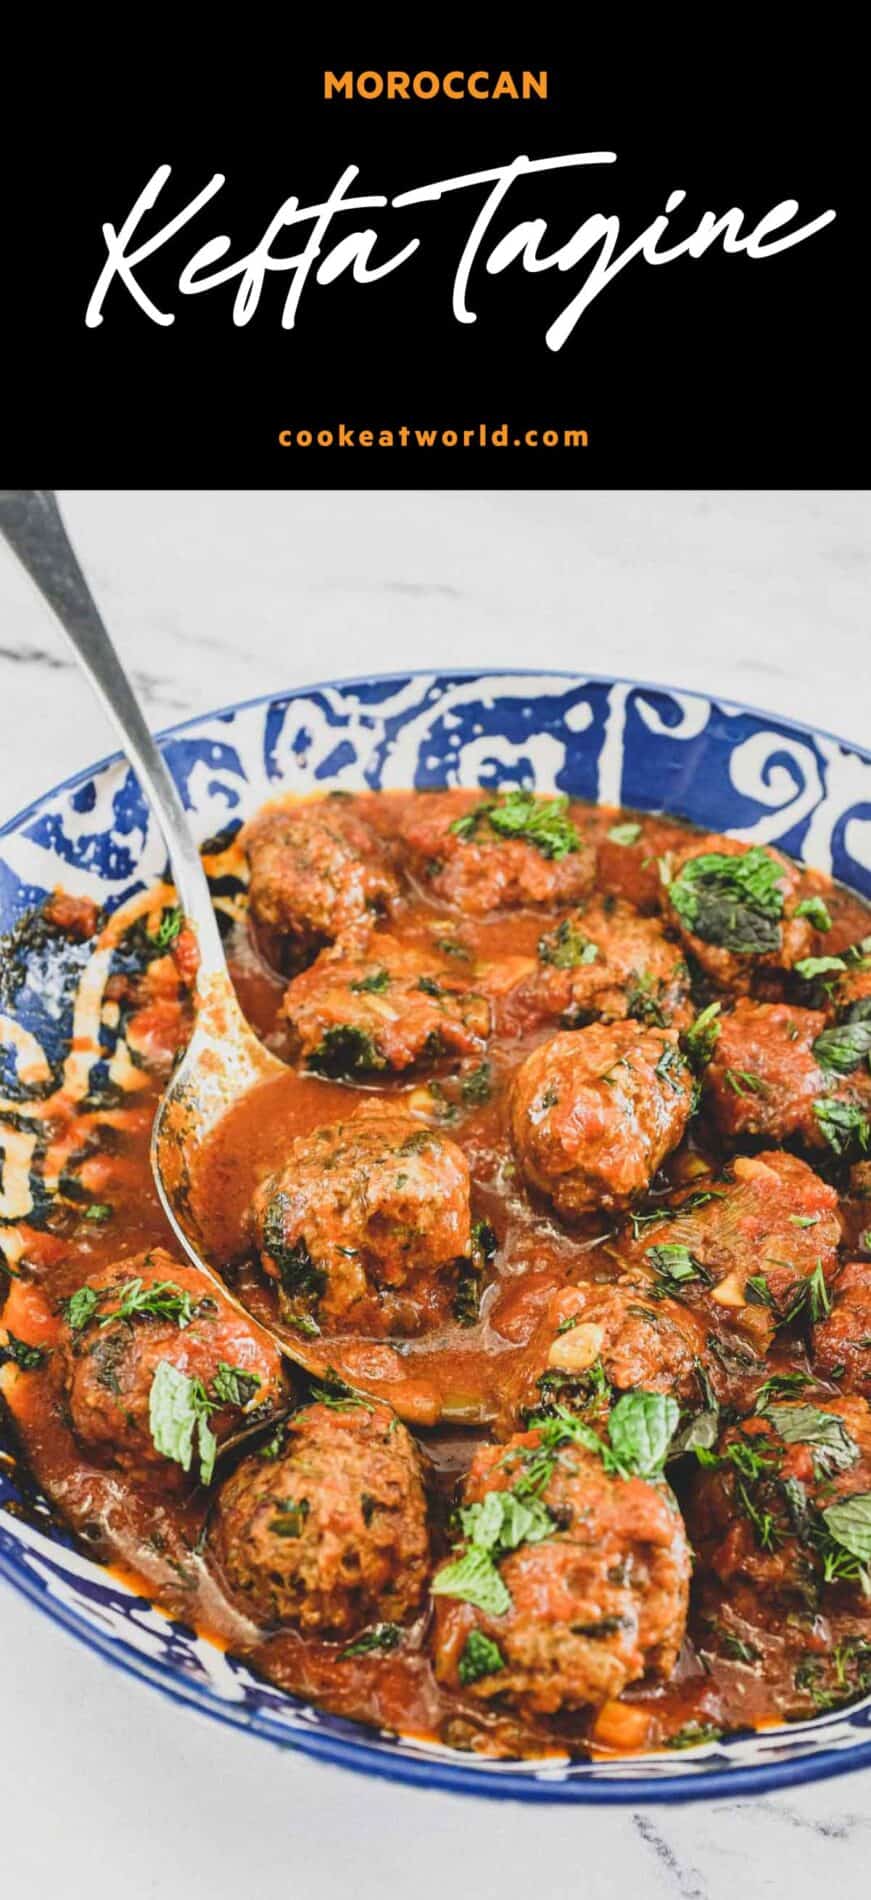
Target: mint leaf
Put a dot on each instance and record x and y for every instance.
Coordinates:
(481, 1657)
(640, 1430)
(178, 1413)
(473, 1578)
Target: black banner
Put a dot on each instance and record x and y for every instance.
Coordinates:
(468, 272)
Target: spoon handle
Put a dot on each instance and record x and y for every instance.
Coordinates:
(31, 521)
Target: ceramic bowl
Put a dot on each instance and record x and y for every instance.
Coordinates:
(724, 766)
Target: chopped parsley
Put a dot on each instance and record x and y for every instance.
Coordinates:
(382, 1636)
(299, 1276)
(343, 1051)
(377, 981)
(566, 947)
(816, 912)
(733, 902)
(542, 822)
(811, 967)
(743, 1082)
(480, 1657)
(20, 1354)
(700, 1039)
(168, 928)
(477, 1085)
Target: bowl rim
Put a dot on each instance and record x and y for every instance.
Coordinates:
(433, 1771)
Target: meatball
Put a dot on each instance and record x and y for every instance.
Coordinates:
(761, 1514)
(315, 870)
(776, 1071)
(332, 1533)
(137, 1316)
(361, 1208)
(631, 872)
(604, 960)
(734, 906)
(749, 1245)
(626, 1334)
(495, 854)
(595, 1111)
(384, 1006)
(592, 1598)
(842, 1341)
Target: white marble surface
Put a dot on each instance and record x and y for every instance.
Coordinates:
(212, 597)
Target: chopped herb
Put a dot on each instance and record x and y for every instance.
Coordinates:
(381, 1636)
(481, 1657)
(693, 1735)
(734, 902)
(848, 1525)
(336, 1394)
(80, 1308)
(179, 1410)
(168, 928)
(98, 1212)
(625, 834)
(781, 1385)
(299, 1276)
(162, 1299)
(566, 947)
(20, 1354)
(811, 967)
(292, 1514)
(429, 986)
(473, 1578)
(804, 1220)
(671, 1065)
(343, 1051)
(376, 982)
(233, 1385)
(816, 912)
(477, 1085)
(542, 822)
(742, 1082)
(688, 1206)
(451, 948)
(641, 1004)
(843, 1048)
(844, 1126)
(700, 1039)
(740, 1651)
(823, 1432)
(675, 1264)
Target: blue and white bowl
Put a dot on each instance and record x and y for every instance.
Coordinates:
(652, 747)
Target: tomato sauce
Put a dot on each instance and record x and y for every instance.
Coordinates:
(452, 1385)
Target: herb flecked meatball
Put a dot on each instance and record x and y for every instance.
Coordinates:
(757, 1244)
(486, 854)
(736, 909)
(780, 1517)
(780, 1073)
(618, 1335)
(603, 960)
(330, 1534)
(595, 1111)
(316, 869)
(572, 1580)
(383, 1006)
(360, 1209)
(147, 1343)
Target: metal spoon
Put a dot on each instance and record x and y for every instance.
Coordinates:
(223, 1059)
